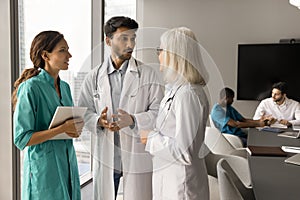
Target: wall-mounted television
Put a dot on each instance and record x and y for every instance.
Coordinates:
(261, 65)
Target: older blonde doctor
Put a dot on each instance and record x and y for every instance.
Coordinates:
(122, 96)
(178, 172)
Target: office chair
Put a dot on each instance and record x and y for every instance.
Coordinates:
(234, 140)
(211, 161)
(218, 144)
(234, 179)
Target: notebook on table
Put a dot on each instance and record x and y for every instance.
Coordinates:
(272, 129)
(265, 151)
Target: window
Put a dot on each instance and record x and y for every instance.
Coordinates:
(119, 8)
(81, 23)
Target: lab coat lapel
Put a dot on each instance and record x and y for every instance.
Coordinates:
(105, 88)
(131, 83)
(166, 104)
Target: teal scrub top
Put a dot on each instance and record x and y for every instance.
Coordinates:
(50, 168)
(221, 117)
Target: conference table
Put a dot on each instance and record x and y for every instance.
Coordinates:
(272, 178)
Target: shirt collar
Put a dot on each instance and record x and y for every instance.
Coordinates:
(46, 76)
(111, 67)
(285, 103)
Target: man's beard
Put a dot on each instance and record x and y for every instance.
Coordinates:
(125, 55)
(278, 100)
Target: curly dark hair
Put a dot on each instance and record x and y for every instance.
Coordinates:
(226, 92)
(282, 86)
(114, 23)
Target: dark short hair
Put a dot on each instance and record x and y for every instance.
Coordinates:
(226, 92)
(282, 86)
(114, 23)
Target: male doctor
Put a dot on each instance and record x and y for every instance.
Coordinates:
(122, 96)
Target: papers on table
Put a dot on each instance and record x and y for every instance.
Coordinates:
(277, 125)
(290, 149)
(290, 134)
(295, 159)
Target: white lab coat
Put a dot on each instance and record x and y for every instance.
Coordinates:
(141, 95)
(178, 172)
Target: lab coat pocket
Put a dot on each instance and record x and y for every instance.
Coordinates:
(142, 162)
(130, 99)
(44, 174)
(98, 101)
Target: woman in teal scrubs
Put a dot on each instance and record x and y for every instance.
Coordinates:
(50, 166)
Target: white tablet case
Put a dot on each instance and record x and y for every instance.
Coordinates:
(62, 114)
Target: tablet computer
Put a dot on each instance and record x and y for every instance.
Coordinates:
(62, 114)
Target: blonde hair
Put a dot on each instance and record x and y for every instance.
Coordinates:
(182, 54)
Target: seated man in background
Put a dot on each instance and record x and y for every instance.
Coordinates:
(228, 120)
(286, 111)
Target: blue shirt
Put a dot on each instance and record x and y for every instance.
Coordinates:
(116, 79)
(221, 116)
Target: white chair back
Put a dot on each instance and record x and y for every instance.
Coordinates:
(218, 144)
(211, 122)
(234, 179)
(234, 140)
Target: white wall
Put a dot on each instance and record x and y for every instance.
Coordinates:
(5, 110)
(221, 24)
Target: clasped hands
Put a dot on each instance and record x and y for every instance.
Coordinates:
(124, 119)
(269, 120)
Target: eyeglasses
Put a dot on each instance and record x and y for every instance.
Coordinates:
(158, 50)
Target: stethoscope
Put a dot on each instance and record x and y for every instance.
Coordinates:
(168, 103)
(96, 94)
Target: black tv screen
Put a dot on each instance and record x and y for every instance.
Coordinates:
(261, 65)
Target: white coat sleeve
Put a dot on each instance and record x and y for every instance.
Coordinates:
(86, 99)
(179, 148)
